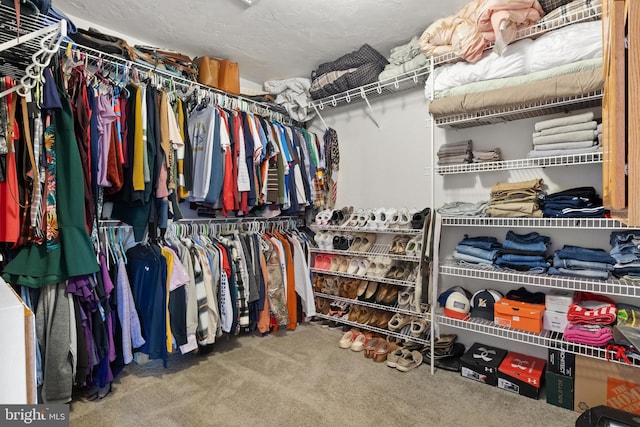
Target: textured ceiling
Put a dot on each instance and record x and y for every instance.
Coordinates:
(272, 39)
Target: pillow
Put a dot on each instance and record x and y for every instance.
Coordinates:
(549, 5)
(565, 45)
(492, 66)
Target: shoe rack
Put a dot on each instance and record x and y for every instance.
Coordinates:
(365, 272)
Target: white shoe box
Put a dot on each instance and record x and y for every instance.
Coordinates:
(558, 300)
(554, 321)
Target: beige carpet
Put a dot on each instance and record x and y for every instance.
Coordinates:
(303, 379)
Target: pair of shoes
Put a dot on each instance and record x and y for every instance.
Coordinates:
(389, 297)
(380, 318)
(358, 266)
(369, 294)
(398, 245)
(322, 305)
(324, 217)
(400, 219)
(406, 300)
(324, 240)
(398, 321)
(419, 218)
(414, 247)
(331, 286)
(409, 360)
(420, 327)
(348, 288)
(378, 267)
(323, 261)
(363, 242)
(348, 337)
(338, 308)
(342, 242)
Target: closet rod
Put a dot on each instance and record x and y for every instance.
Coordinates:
(242, 102)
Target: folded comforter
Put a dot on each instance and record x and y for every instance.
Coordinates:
(543, 90)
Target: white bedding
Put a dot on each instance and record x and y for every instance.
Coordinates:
(559, 47)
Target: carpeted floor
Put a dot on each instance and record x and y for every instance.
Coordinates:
(303, 379)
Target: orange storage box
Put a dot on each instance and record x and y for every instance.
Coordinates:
(518, 315)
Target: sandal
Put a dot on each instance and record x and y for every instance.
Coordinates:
(410, 361)
(420, 327)
(369, 295)
(347, 338)
(398, 321)
(395, 355)
(382, 352)
(371, 346)
(360, 341)
(391, 296)
(362, 288)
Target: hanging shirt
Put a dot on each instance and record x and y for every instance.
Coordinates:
(201, 134)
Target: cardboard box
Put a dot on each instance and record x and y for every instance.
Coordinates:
(598, 382)
(558, 300)
(480, 363)
(561, 362)
(559, 390)
(521, 374)
(518, 315)
(554, 321)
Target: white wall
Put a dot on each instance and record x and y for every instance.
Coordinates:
(382, 167)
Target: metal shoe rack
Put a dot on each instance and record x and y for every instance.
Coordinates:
(377, 250)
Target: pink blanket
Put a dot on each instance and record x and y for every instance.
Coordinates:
(478, 24)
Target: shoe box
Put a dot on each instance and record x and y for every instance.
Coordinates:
(561, 362)
(554, 321)
(518, 315)
(558, 300)
(480, 363)
(559, 380)
(559, 390)
(521, 374)
(598, 382)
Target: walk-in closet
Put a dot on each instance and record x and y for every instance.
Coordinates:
(268, 212)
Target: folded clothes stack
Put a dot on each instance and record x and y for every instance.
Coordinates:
(579, 202)
(575, 134)
(454, 153)
(582, 262)
(483, 156)
(589, 318)
(453, 209)
(625, 249)
(477, 250)
(516, 200)
(403, 58)
(524, 252)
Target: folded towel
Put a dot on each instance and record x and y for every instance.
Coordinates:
(565, 145)
(564, 121)
(580, 135)
(567, 152)
(569, 128)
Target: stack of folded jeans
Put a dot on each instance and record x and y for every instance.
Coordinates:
(575, 134)
(484, 156)
(589, 318)
(582, 262)
(463, 209)
(477, 250)
(454, 153)
(625, 249)
(516, 199)
(524, 252)
(580, 202)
